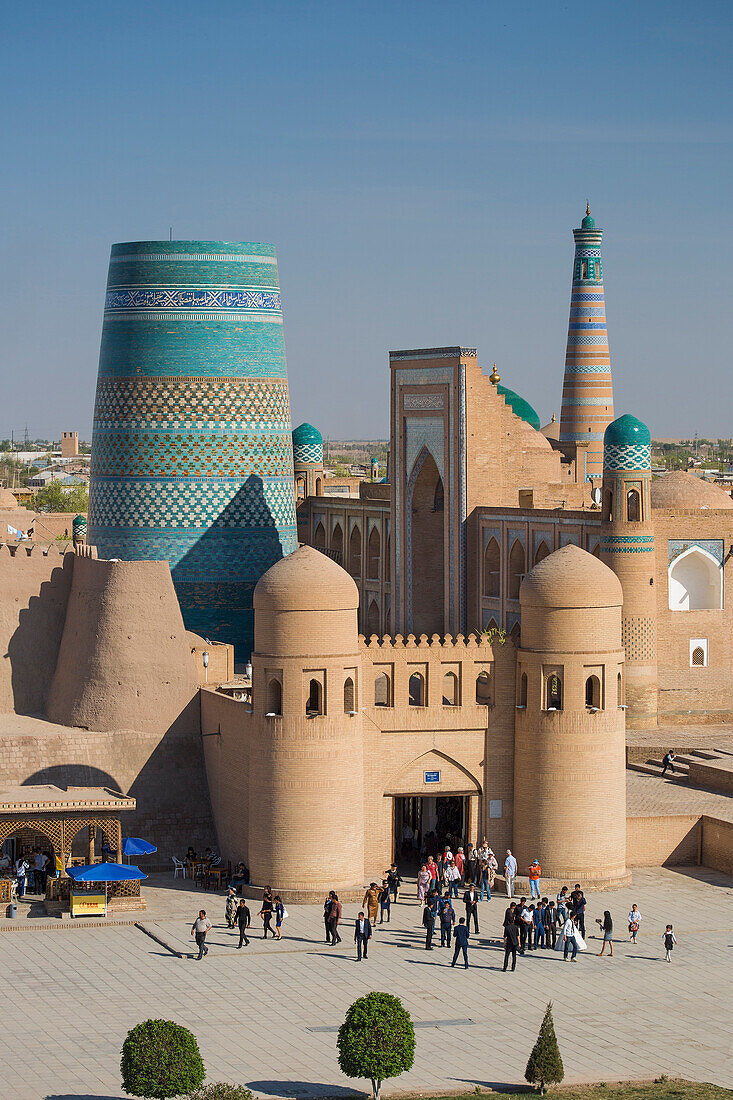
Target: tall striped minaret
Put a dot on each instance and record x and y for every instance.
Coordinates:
(587, 396)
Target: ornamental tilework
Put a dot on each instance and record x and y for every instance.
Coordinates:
(714, 547)
(192, 457)
(192, 403)
(627, 544)
(224, 298)
(627, 456)
(639, 639)
(307, 452)
(197, 454)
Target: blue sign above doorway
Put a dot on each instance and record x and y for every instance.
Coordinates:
(432, 777)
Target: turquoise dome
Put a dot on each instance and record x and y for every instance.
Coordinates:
(626, 430)
(520, 407)
(306, 434)
(588, 222)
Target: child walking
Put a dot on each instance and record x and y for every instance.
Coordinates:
(670, 940)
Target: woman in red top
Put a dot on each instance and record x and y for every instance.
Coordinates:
(432, 868)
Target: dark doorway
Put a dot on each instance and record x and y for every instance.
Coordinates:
(426, 824)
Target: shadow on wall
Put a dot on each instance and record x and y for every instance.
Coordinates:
(73, 775)
(164, 773)
(33, 647)
(215, 580)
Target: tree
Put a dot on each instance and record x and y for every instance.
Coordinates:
(160, 1059)
(376, 1040)
(545, 1064)
(54, 498)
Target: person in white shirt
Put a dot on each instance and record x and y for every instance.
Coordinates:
(510, 873)
(451, 877)
(634, 922)
(200, 927)
(21, 870)
(568, 931)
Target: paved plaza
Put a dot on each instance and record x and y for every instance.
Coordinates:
(267, 1015)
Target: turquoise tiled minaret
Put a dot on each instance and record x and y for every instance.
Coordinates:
(587, 396)
(192, 457)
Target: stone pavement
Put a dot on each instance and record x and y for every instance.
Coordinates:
(267, 1015)
(659, 796)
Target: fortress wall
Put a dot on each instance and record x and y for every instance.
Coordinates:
(229, 732)
(166, 776)
(34, 590)
(124, 661)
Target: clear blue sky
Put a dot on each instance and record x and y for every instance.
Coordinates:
(419, 166)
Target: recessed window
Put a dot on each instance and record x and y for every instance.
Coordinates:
(633, 506)
(698, 653)
(450, 690)
(382, 690)
(348, 695)
(315, 698)
(274, 697)
(483, 689)
(593, 693)
(553, 692)
(417, 690)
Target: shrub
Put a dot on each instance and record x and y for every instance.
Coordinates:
(545, 1064)
(160, 1059)
(376, 1040)
(219, 1090)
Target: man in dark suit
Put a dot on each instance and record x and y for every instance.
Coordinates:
(511, 943)
(243, 921)
(429, 913)
(470, 900)
(362, 935)
(461, 935)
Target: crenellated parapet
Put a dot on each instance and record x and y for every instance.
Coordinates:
(433, 679)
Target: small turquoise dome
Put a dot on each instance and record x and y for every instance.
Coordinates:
(520, 407)
(626, 430)
(305, 434)
(588, 222)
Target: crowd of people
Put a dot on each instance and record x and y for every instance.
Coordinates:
(537, 923)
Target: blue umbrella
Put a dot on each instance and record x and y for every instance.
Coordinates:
(134, 846)
(105, 872)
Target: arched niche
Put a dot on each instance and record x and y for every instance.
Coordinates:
(695, 581)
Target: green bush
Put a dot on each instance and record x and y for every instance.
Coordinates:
(160, 1059)
(376, 1040)
(545, 1064)
(219, 1090)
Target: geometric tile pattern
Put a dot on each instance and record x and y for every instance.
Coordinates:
(627, 456)
(192, 403)
(192, 458)
(307, 452)
(587, 401)
(200, 454)
(639, 638)
(627, 544)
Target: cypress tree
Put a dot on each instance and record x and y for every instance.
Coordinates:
(545, 1064)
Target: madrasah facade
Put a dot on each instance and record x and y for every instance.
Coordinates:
(462, 648)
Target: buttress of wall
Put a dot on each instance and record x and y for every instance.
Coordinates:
(689, 693)
(471, 744)
(505, 454)
(34, 591)
(124, 660)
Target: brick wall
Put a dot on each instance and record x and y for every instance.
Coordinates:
(717, 844)
(654, 841)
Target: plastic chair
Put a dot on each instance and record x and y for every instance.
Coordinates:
(179, 867)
